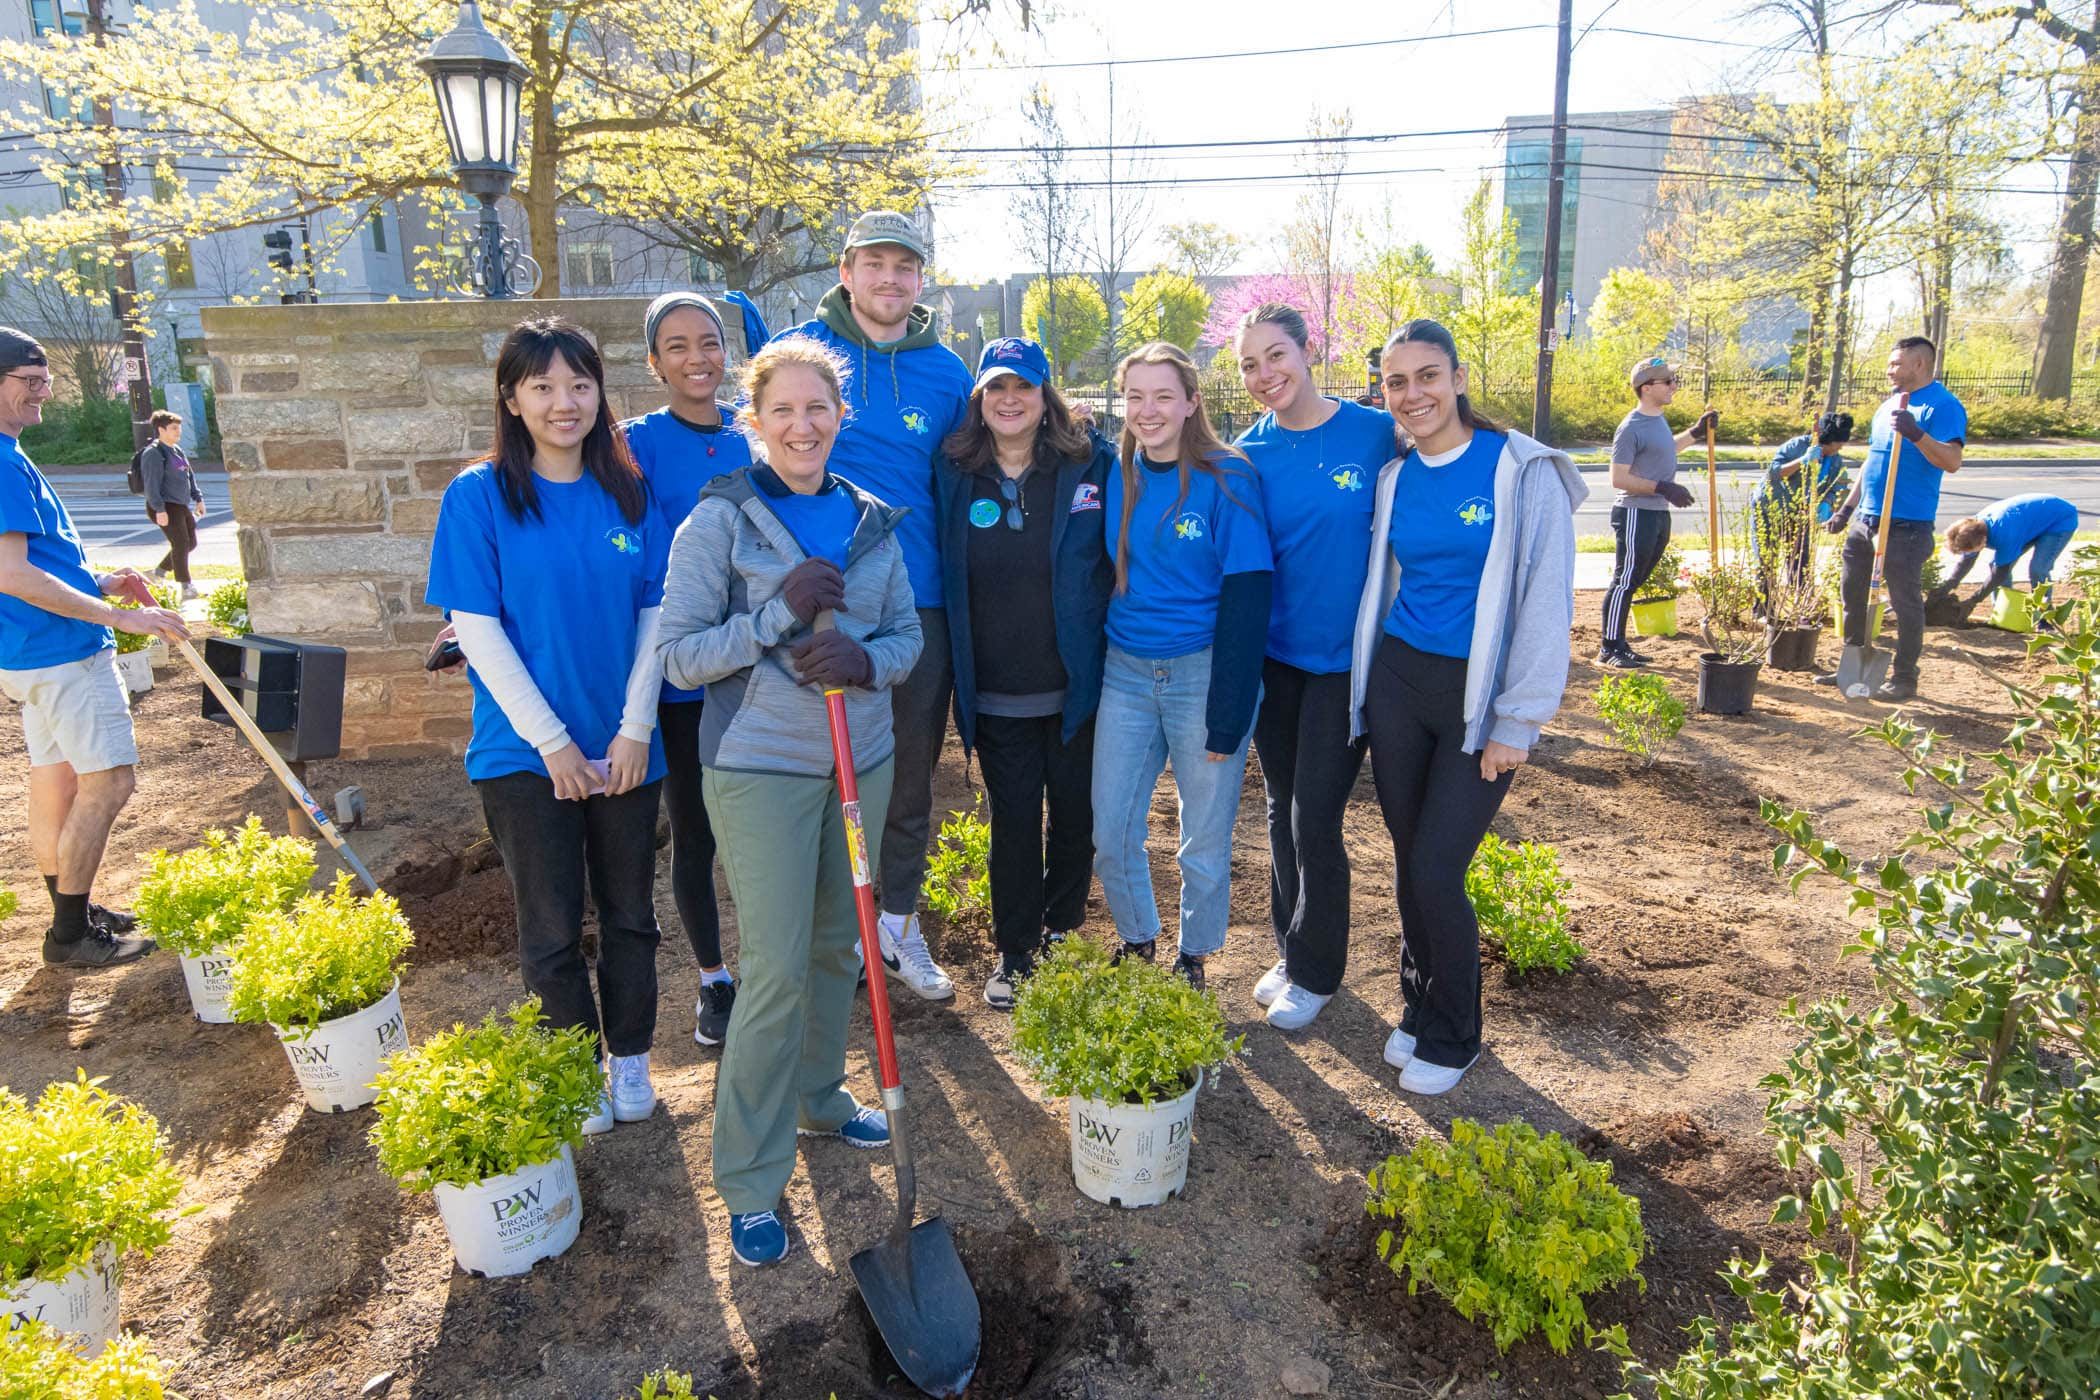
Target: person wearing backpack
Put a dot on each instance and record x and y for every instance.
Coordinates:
(173, 501)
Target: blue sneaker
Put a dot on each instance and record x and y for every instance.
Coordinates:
(867, 1128)
(758, 1238)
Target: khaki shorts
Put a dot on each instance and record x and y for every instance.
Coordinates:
(75, 713)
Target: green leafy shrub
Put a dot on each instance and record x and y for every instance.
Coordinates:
(1949, 1123)
(666, 1385)
(7, 902)
(41, 1363)
(1127, 1033)
(1642, 712)
(226, 608)
(958, 873)
(1511, 1228)
(166, 595)
(201, 899)
(89, 432)
(487, 1100)
(327, 956)
(78, 1168)
(1518, 893)
(1670, 578)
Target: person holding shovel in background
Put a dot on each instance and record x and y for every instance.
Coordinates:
(1915, 443)
(2011, 527)
(784, 580)
(1644, 473)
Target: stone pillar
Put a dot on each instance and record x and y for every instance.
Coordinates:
(342, 424)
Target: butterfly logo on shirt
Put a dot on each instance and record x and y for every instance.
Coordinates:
(1476, 511)
(624, 540)
(1350, 478)
(1189, 527)
(916, 420)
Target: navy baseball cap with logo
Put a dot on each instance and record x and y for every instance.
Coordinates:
(1011, 355)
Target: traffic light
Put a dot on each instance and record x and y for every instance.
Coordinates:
(279, 242)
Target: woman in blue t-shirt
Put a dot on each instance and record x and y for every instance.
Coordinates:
(549, 561)
(1317, 459)
(680, 448)
(1459, 659)
(1186, 628)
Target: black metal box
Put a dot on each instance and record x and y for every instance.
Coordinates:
(292, 690)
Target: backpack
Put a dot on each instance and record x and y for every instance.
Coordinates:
(135, 478)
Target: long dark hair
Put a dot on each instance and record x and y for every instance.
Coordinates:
(1201, 448)
(1058, 438)
(528, 350)
(1427, 332)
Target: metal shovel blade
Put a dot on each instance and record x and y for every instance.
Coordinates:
(923, 1305)
(1861, 670)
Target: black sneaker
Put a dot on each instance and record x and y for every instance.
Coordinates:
(1148, 950)
(1190, 969)
(1893, 691)
(1618, 659)
(97, 948)
(711, 1012)
(1640, 658)
(1825, 678)
(118, 921)
(1001, 987)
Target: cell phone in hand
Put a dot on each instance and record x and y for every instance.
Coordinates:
(445, 653)
(603, 768)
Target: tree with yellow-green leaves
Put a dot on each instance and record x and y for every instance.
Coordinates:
(735, 128)
(1066, 316)
(1164, 305)
(1491, 320)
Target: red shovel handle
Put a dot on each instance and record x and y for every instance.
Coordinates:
(863, 883)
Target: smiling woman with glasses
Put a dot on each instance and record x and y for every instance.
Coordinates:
(1018, 494)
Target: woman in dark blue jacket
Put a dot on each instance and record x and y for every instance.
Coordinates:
(1027, 580)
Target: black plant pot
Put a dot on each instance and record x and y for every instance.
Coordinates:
(1726, 687)
(1793, 648)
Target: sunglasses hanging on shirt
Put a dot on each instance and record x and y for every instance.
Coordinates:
(1016, 505)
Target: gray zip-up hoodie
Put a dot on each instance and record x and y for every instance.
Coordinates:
(1518, 664)
(725, 625)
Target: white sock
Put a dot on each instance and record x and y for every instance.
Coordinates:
(720, 974)
(894, 925)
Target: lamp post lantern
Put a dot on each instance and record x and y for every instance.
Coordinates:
(478, 81)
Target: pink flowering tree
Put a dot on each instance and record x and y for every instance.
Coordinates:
(1233, 302)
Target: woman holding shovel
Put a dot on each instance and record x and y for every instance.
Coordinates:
(785, 581)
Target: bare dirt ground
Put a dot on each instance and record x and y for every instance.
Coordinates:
(306, 1273)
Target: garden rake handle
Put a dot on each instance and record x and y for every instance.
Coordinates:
(1888, 502)
(315, 813)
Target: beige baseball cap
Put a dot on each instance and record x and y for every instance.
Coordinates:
(887, 226)
(1649, 371)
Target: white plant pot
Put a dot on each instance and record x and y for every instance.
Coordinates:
(83, 1303)
(157, 649)
(1126, 1154)
(136, 667)
(506, 1224)
(208, 982)
(337, 1063)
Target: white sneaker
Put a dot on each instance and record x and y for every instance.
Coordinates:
(633, 1096)
(1422, 1077)
(1399, 1048)
(1295, 1009)
(601, 1119)
(908, 961)
(1271, 985)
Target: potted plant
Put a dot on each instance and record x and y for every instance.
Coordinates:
(1793, 598)
(1735, 638)
(1655, 611)
(322, 974)
(134, 660)
(197, 902)
(1126, 1044)
(488, 1118)
(42, 1363)
(84, 1179)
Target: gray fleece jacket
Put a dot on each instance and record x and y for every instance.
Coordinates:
(1518, 664)
(725, 625)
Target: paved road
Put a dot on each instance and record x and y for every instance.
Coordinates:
(114, 527)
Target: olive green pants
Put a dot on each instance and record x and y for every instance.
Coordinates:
(783, 846)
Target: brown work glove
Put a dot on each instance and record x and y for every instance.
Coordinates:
(831, 659)
(813, 586)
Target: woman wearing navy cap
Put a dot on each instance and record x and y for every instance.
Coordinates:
(680, 448)
(1018, 500)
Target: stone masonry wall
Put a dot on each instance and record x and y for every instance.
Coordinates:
(342, 425)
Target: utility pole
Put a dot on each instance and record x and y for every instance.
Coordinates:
(124, 292)
(1549, 272)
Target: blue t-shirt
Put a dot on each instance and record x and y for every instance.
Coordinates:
(567, 585)
(1443, 518)
(1782, 490)
(1179, 557)
(29, 636)
(821, 522)
(1318, 491)
(2016, 522)
(1941, 415)
(679, 459)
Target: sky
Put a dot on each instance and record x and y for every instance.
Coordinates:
(1444, 76)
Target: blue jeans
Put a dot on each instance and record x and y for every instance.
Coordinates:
(2041, 565)
(1152, 714)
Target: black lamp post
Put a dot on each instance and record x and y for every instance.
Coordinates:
(478, 81)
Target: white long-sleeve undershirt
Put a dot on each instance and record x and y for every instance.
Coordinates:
(502, 671)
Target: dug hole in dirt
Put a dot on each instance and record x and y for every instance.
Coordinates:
(304, 1272)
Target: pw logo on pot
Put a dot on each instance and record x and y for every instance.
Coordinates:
(1096, 1132)
(511, 1207)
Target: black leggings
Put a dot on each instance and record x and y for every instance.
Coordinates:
(181, 531)
(1308, 765)
(1437, 808)
(1642, 536)
(692, 837)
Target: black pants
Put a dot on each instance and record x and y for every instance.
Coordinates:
(1784, 537)
(1641, 537)
(692, 838)
(1437, 808)
(1038, 882)
(550, 847)
(181, 531)
(1308, 765)
(919, 719)
(1911, 543)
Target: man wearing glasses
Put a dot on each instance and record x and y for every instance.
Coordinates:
(58, 663)
(1644, 472)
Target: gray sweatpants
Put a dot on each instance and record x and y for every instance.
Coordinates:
(919, 718)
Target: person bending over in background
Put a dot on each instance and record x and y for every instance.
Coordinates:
(1644, 473)
(2012, 527)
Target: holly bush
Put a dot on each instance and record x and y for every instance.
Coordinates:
(1950, 1123)
(1518, 894)
(1128, 1033)
(78, 1168)
(1512, 1228)
(41, 1363)
(200, 899)
(326, 956)
(1642, 712)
